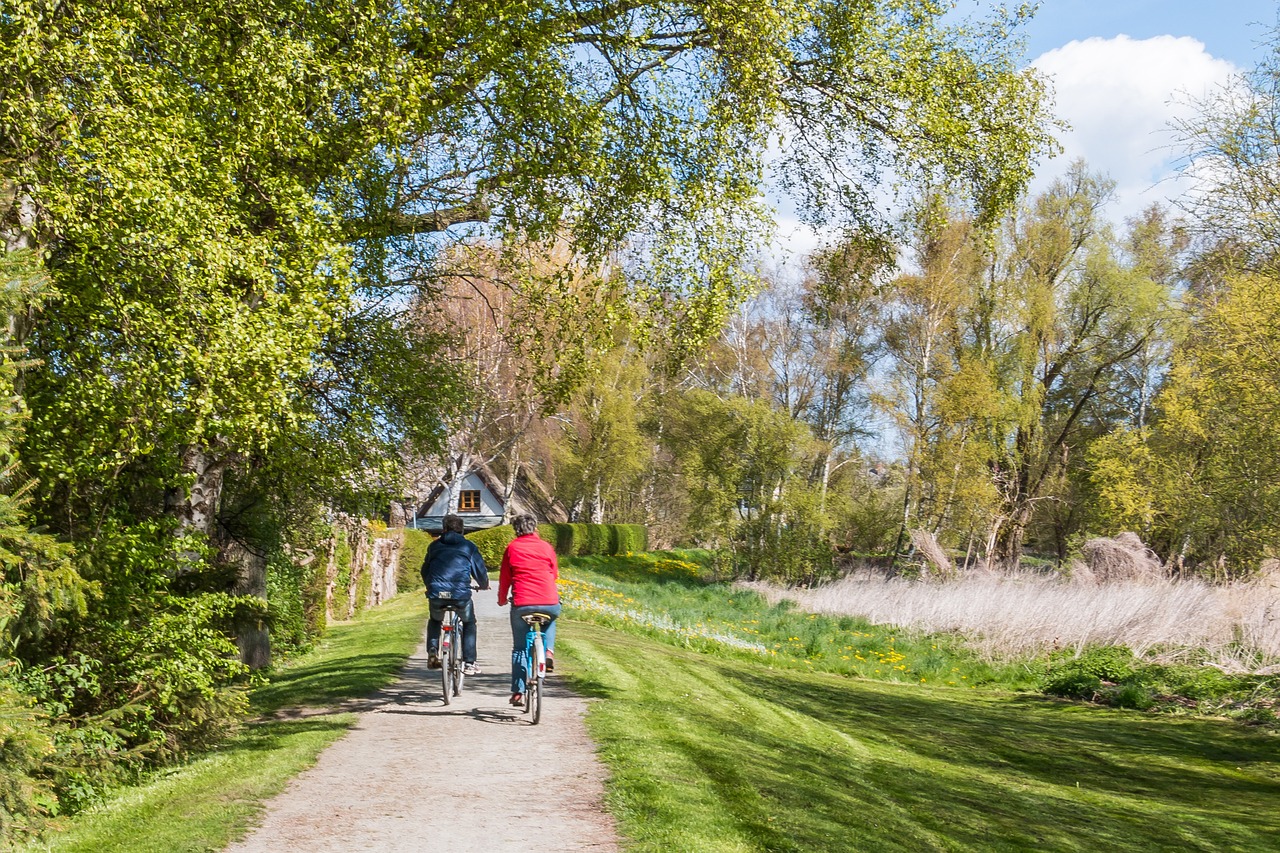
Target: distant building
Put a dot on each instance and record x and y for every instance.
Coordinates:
(478, 498)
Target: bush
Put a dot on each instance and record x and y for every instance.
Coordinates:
(568, 540)
(1083, 677)
(632, 538)
(599, 540)
(26, 741)
(412, 552)
(560, 536)
(492, 543)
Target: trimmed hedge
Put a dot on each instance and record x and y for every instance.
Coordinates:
(412, 553)
(569, 540)
(492, 543)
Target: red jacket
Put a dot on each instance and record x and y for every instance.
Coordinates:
(529, 572)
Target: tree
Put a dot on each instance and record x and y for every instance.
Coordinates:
(1203, 477)
(1065, 317)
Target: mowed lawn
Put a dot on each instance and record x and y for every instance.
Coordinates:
(714, 754)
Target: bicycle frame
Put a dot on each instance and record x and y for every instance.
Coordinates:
(535, 664)
(451, 677)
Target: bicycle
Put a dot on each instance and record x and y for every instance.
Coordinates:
(450, 652)
(535, 664)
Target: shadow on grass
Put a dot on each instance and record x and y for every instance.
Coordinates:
(323, 683)
(1002, 773)
(268, 736)
(780, 760)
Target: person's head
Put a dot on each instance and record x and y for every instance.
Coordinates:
(452, 524)
(524, 524)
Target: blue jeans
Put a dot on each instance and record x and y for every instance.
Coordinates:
(466, 626)
(520, 636)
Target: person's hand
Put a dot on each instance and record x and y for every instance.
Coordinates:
(502, 602)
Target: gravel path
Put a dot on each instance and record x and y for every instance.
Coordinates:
(382, 786)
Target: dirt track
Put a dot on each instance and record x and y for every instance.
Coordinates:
(417, 775)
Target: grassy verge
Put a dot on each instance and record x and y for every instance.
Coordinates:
(208, 802)
(668, 595)
(721, 753)
(673, 596)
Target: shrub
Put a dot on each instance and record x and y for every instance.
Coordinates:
(26, 742)
(1082, 677)
(632, 538)
(568, 540)
(412, 552)
(559, 535)
(492, 543)
(599, 540)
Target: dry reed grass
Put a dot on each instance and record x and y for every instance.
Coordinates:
(1121, 558)
(1234, 627)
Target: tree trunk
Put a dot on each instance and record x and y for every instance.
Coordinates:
(1008, 538)
(597, 504)
(196, 507)
(509, 487)
(252, 634)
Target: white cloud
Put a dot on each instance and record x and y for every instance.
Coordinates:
(1119, 96)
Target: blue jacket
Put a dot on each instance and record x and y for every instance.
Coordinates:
(452, 562)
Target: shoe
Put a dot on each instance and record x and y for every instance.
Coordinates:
(517, 699)
(470, 669)
(551, 662)
(433, 661)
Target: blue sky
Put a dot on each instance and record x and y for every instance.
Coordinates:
(1124, 70)
(1225, 27)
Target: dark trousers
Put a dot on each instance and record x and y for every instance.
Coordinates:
(467, 626)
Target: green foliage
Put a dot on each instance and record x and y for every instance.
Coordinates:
(413, 551)
(26, 744)
(342, 557)
(631, 539)
(567, 539)
(744, 465)
(217, 796)
(598, 539)
(561, 536)
(493, 544)
(1082, 677)
(1207, 472)
(1112, 676)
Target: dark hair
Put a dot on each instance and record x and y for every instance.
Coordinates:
(524, 524)
(453, 524)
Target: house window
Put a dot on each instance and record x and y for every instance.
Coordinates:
(469, 500)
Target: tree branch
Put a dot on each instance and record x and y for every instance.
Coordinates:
(397, 224)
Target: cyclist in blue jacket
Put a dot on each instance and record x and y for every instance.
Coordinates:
(452, 563)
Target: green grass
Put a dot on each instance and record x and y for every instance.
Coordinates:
(672, 595)
(208, 802)
(352, 659)
(719, 753)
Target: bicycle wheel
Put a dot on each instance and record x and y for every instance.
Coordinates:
(447, 652)
(529, 680)
(457, 657)
(534, 686)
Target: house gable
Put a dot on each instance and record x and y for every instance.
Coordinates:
(478, 500)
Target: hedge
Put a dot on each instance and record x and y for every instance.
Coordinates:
(412, 553)
(569, 540)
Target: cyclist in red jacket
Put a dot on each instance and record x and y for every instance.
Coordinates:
(528, 580)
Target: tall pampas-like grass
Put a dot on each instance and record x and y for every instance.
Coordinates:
(1234, 627)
